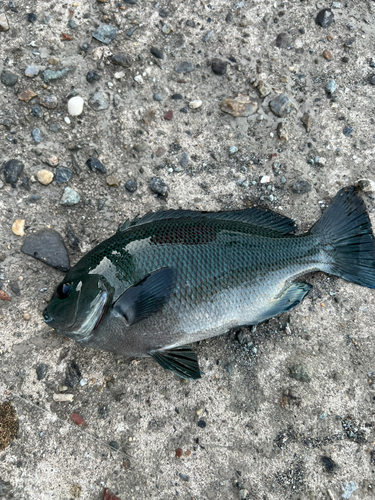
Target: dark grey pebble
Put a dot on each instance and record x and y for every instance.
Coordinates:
(92, 76)
(218, 66)
(8, 78)
(99, 101)
(72, 375)
(202, 424)
(283, 41)
(281, 105)
(34, 198)
(63, 174)
(96, 165)
(300, 373)
(163, 12)
(131, 31)
(229, 368)
(328, 464)
(130, 2)
(12, 169)
(325, 18)
(48, 101)
(103, 411)
(72, 238)
(184, 159)
(184, 67)
(37, 135)
(122, 59)
(114, 445)
(105, 33)
(31, 17)
(36, 111)
(72, 24)
(158, 186)
(50, 75)
(54, 127)
(157, 53)
(14, 286)
(301, 186)
(349, 43)
(183, 110)
(190, 23)
(229, 18)
(347, 130)
(176, 97)
(158, 97)
(41, 371)
(131, 186)
(48, 246)
(140, 148)
(183, 477)
(207, 36)
(101, 203)
(372, 80)
(25, 183)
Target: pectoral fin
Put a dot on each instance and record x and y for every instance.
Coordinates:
(182, 361)
(289, 298)
(146, 297)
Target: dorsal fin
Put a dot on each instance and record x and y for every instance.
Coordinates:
(255, 216)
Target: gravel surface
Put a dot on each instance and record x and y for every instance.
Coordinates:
(110, 109)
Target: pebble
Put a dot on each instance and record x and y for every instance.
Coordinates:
(72, 375)
(195, 104)
(92, 77)
(218, 66)
(372, 80)
(331, 86)
(306, 120)
(301, 186)
(54, 127)
(113, 181)
(239, 106)
(26, 316)
(8, 78)
(96, 165)
(158, 186)
(232, 150)
(207, 36)
(202, 424)
(366, 185)
(63, 397)
(243, 494)
(48, 246)
(168, 115)
(348, 488)
(167, 28)
(75, 105)
(163, 12)
(325, 18)
(177, 97)
(4, 25)
(157, 53)
(139, 79)
(281, 105)
(50, 75)
(349, 43)
(140, 148)
(265, 179)
(48, 101)
(36, 111)
(63, 174)
(131, 185)
(31, 17)
(263, 88)
(347, 130)
(114, 445)
(179, 452)
(18, 227)
(184, 159)
(105, 34)
(26, 95)
(158, 97)
(282, 132)
(41, 371)
(300, 373)
(37, 135)
(327, 55)
(72, 24)
(31, 71)
(328, 464)
(184, 67)
(70, 197)
(12, 170)
(99, 101)
(122, 59)
(160, 151)
(283, 41)
(45, 177)
(190, 23)
(67, 120)
(184, 477)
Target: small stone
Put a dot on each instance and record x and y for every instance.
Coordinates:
(99, 101)
(176, 97)
(41, 371)
(218, 66)
(282, 132)
(50, 75)
(179, 452)
(243, 494)
(8, 78)
(167, 28)
(75, 105)
(105, 34)
(63, 174)
(348, 488)
(239, 106)
(263, 88)
(54, 127)
(184, 159)
(26, 95)
(331, 86)
(281, 105)
(139, 79)
(114, 445)
(37, 135)
(140, 148)
(160, 151)
(366, 185)
(265, 179)
(347, 130)
(325, 18)
(4, 25)
(31, 17)
(300, 373)
(48, 246)
(92, 77)
(53, 61)
(12, 169)
(202, 424)
(184, 477)
(232, 150)
(163, 12)
(328, 464)
(96, 165)
(168, 115)
(72, 375)
(190, 23)
(157, 53)
(327, 55)
(207, 36)
(45, 177)
(349, 43)
(283, 41)
(185, 67)
(372, 80)
(301, 186)
(195, 104)
(229, 18)
(158, 186)
(31, 71)
(306, 120)
(72, 24)
(158, 97)
(113, 180)
(48, 101)
(26, 316)
(122, 59)
(131, 185)
(60, 398)
(70, 197)
(18, 227)
(36, 111)
(52, 161)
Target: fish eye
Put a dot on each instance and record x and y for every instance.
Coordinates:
(63, 290)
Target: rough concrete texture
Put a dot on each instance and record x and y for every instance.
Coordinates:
(267, 426)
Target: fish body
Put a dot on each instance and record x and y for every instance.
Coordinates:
(176, 277)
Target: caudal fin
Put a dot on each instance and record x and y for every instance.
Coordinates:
(346, 234)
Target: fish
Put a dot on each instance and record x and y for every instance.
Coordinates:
(171, 278)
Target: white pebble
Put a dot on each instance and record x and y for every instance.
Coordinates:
(83, 381)
(67, 120)
(265, 179)
(75, 105)
(195, 104)
(139, 79)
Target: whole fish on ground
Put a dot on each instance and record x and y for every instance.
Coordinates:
(175, 277)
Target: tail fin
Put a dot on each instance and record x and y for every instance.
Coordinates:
(346, 234)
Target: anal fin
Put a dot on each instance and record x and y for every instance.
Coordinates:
(182, 361)
(289, 298)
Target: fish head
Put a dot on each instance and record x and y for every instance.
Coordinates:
(78, 306)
